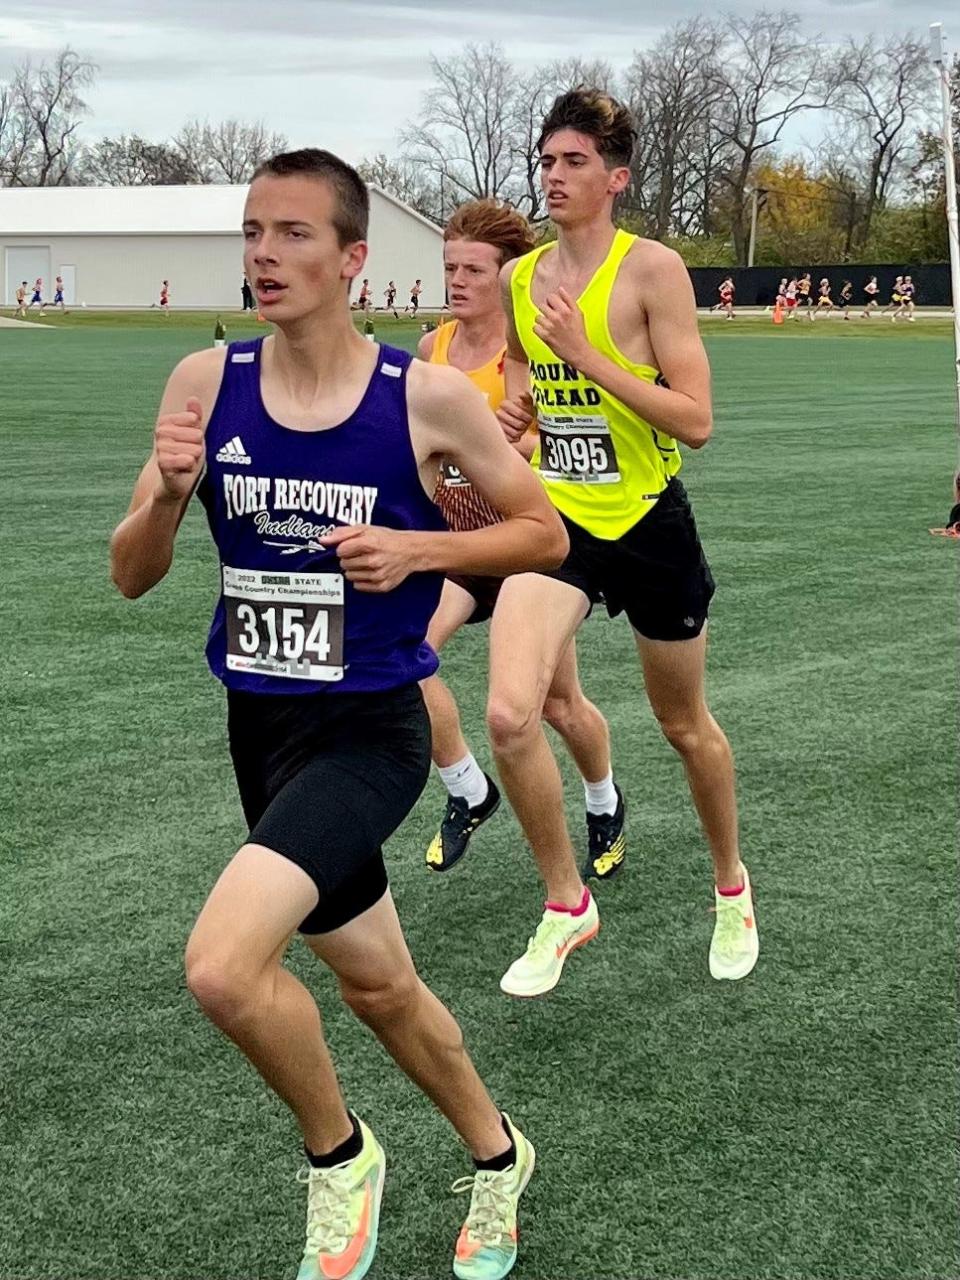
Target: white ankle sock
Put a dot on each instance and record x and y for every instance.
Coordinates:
(467, 779)
(601, 797)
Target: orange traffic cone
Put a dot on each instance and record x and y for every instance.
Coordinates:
(778, 313)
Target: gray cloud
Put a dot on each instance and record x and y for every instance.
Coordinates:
(348, 72)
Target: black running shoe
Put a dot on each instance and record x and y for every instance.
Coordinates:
(606, 842)
(459, 823)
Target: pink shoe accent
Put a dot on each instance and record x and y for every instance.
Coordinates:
(731, 893)
(571, 911)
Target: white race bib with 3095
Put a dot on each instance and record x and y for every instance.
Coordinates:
(284, 624)
(577, 449)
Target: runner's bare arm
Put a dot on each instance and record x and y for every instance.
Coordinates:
(141, 549)
(425, 345)
(515, 413)
(454, 421)
(449, 418)
(683, 407)
(527, 443)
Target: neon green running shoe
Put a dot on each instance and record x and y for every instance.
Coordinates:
(343, 1214)
(558, 934)
(487, 1244)
(735, 945)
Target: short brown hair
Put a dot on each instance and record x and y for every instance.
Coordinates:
(351, 216)
(599, 116)
(494, 223)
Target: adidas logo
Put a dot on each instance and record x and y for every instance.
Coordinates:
(233, 451)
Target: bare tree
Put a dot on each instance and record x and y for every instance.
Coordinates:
(43, 109)
(384, 173)
(191, 142)
(134, 162)
(637, 201)
(767, 72)
(408, 182)
(708, 157)
(673, 90)
(843, 186)
(464, 136)
(927, 176)
(15, 137)
(229, 151)
(882, 88)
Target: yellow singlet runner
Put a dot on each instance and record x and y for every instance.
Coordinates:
(602, 465)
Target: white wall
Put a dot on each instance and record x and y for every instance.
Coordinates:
(402, 248)
(25, 262)
(205, 270)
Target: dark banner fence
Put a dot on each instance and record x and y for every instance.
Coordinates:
(757, 286)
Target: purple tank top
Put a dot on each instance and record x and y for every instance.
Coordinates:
(287, 621)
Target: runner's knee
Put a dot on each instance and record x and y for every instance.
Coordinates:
(685, 731)
(511, 723)
(226, 993)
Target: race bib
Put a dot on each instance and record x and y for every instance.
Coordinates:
(452, 477)
(578, 449)
(284, 624)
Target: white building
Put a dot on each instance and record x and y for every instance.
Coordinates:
(114, 245)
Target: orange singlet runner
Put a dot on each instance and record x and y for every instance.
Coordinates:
(462, 507)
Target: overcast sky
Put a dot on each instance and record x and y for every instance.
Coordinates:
(345, 75)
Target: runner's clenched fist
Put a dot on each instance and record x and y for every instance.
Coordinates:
(178, 443)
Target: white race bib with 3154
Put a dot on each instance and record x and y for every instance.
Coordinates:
(284, 624)
(577, 449)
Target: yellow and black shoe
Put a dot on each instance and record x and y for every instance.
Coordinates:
(459, 823)
(607, 846)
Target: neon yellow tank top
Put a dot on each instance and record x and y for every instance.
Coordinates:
(603, 466)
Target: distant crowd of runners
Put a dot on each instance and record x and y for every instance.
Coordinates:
(795, 297)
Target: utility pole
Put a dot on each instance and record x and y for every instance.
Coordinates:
(939, 58)
(754, 212)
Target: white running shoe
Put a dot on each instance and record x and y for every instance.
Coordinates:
(487, 1244)
(343, 1215)
(735, 945)
(558, 933)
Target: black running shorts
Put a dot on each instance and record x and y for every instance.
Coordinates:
(657, 573)
(325, 779)
(484, 591)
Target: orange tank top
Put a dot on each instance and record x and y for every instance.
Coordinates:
(463, 508)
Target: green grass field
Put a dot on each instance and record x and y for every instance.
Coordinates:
(799, 1125)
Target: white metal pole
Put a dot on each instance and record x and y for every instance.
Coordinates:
(940, 62)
